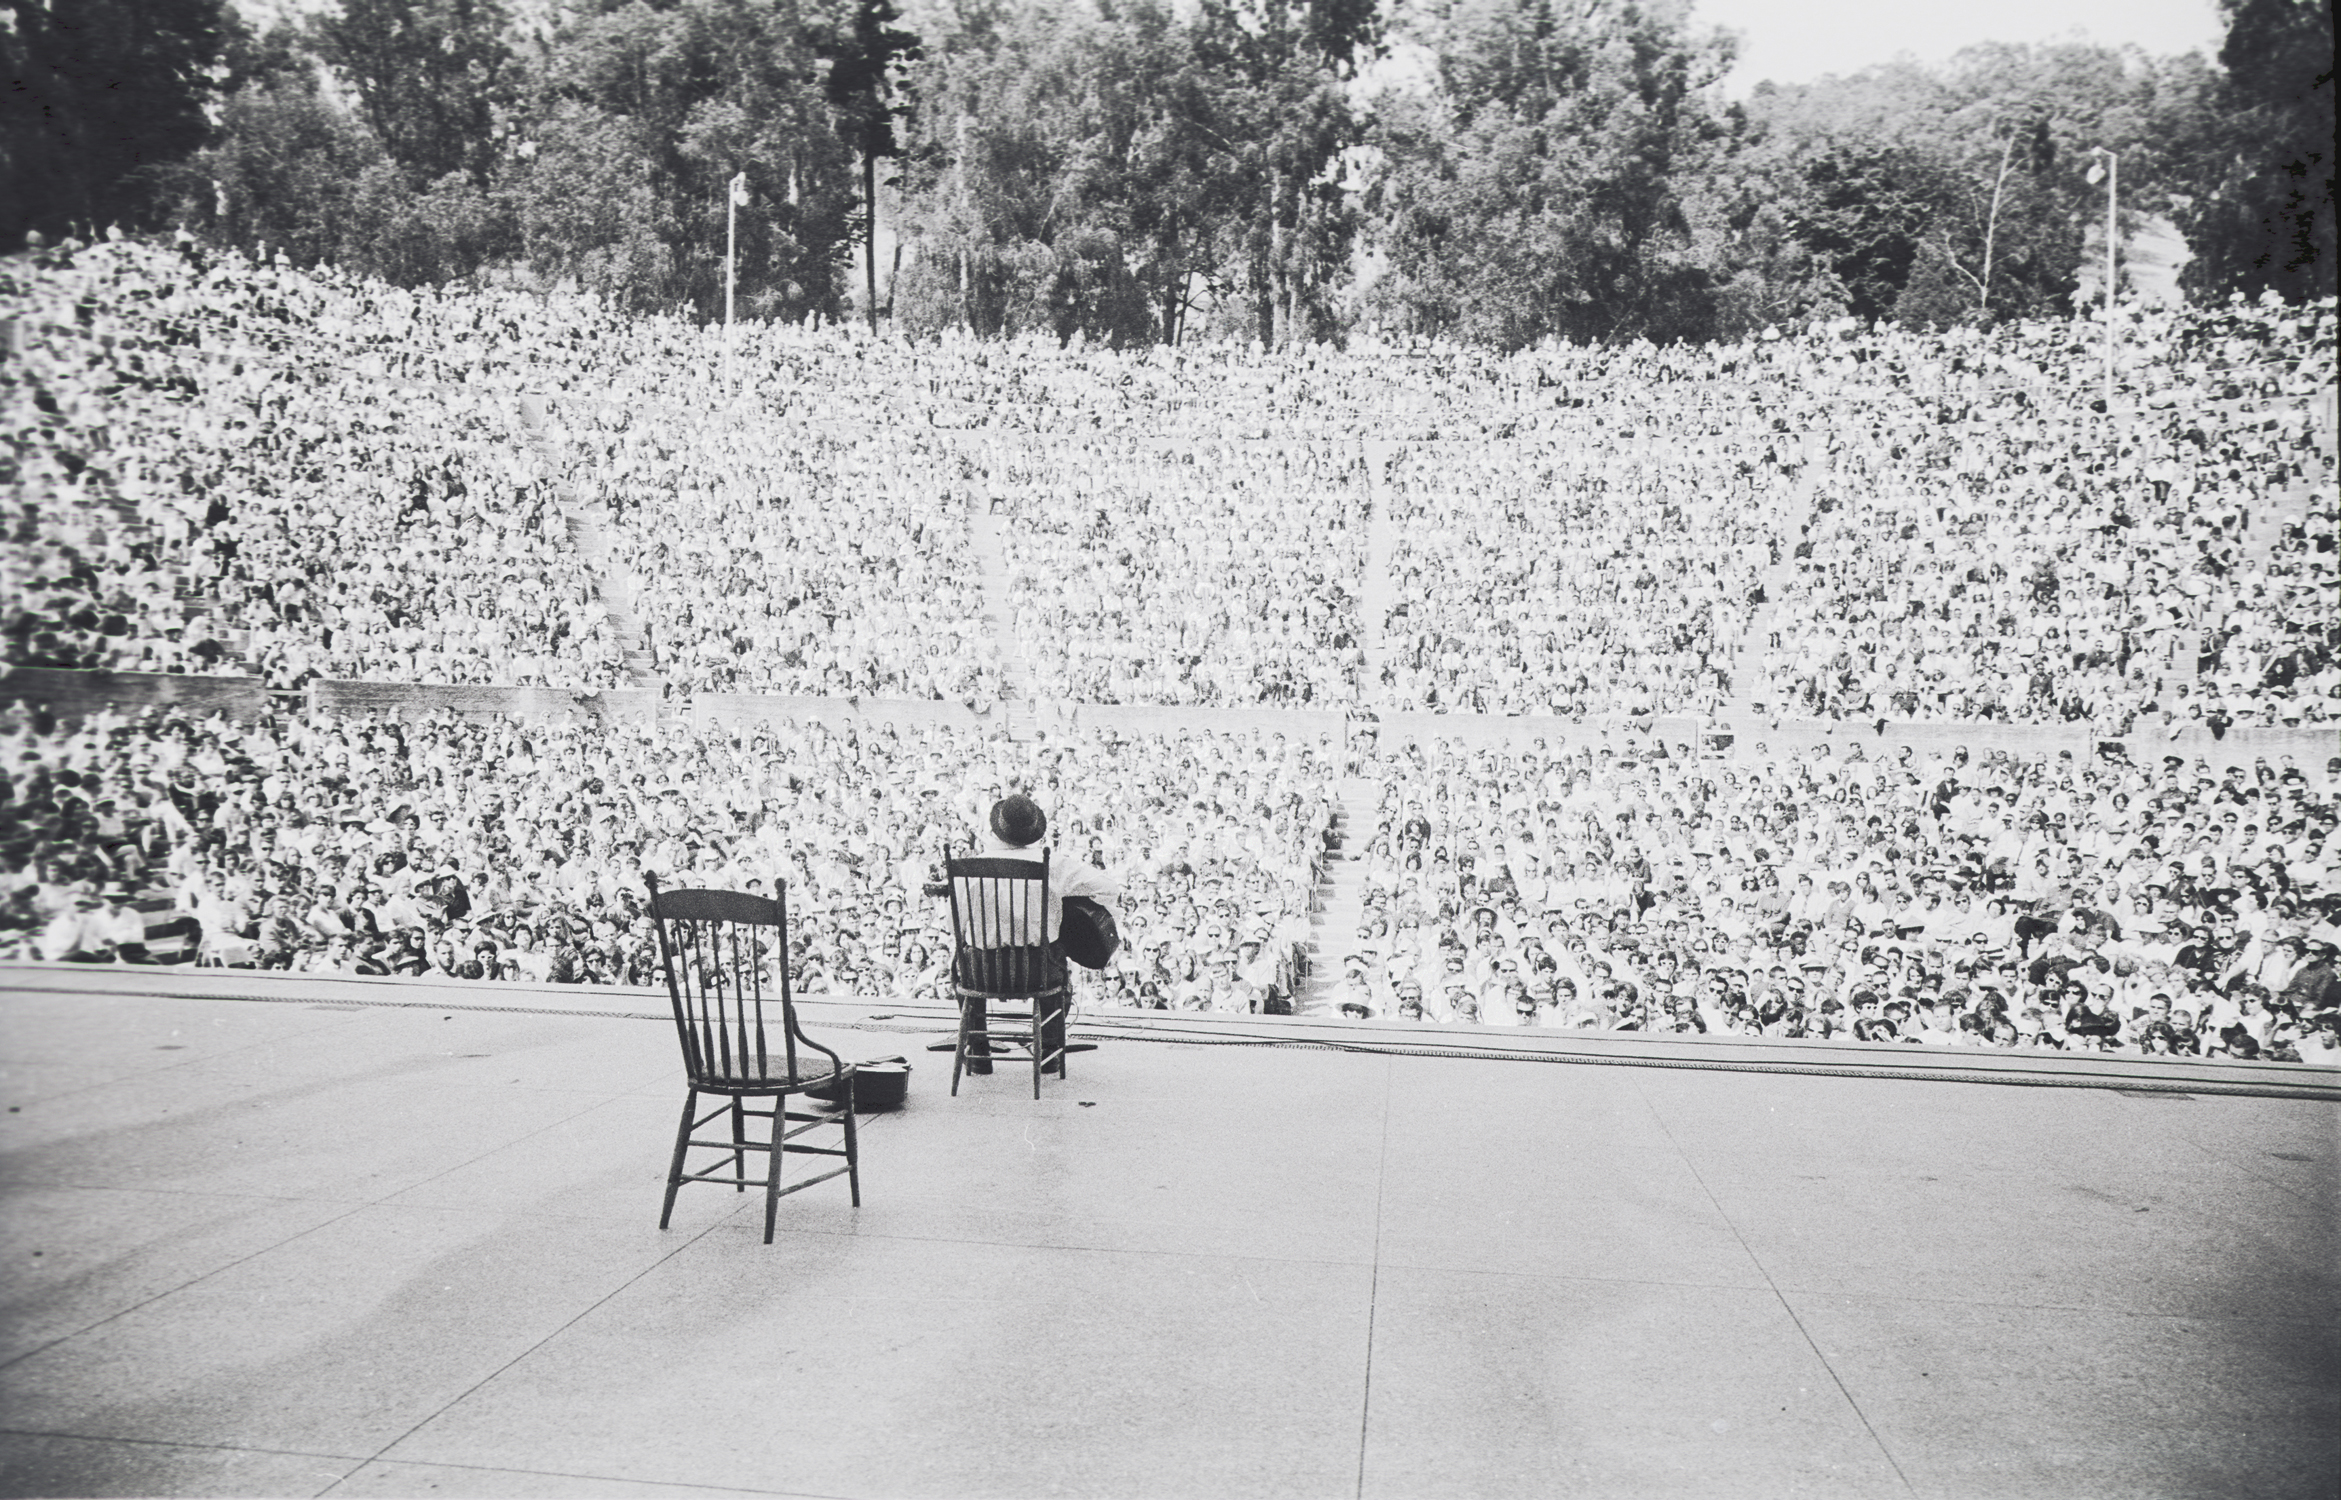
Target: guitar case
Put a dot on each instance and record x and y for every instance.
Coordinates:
(1088, 933)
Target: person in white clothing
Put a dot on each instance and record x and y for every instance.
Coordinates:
(1017, 827)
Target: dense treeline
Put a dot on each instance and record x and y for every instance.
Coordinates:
(1500, 171)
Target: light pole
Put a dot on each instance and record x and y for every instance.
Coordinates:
(2108, 170)
(731, 267)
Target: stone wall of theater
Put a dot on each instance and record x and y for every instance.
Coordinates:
(417, 699)
(72, 695)
(2148, 739)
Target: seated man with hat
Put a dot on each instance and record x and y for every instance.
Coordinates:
(1017, 827)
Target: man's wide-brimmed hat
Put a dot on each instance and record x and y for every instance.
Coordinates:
(1018, 821)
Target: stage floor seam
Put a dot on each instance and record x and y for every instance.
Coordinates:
(1852, 1402)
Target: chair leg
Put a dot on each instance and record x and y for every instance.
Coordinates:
(739, 1144)
(1039, 1048)
(959, 1048)
(977, 1014)
(675, 1168)
(772, 1174)
(853, 1153)
(971, 1054)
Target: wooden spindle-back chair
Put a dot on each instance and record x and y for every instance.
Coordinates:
(1000, 950)
(725, 958)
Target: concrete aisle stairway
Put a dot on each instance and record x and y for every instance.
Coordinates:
(613, 580)
(1341, 899)
(1747, 690)
(988, 534)
(1334, 927)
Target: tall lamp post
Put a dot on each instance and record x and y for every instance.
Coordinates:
(731, 267)
(2108, 170)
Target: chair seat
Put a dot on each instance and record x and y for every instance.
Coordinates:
(774, 1077)
(961, 991)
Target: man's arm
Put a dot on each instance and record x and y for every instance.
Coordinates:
(1085, 880)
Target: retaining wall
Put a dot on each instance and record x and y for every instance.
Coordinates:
(72, 696)
(480, 700)
(751, 708)
(1147, 718)
(1519, 731)
(2148, 740)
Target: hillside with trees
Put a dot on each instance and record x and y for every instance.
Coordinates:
(1495, 171)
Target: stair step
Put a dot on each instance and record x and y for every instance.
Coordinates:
(590, 541)
(1341, 899)
(987, 538)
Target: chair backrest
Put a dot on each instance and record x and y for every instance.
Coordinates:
(725, 957)
(999, 922)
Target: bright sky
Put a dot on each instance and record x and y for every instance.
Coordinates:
(1796, 41)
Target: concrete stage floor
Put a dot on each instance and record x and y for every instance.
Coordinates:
(376, 1239)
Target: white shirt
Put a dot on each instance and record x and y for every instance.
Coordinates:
(1066, 878)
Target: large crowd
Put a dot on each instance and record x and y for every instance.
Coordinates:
(231, 465)
(1964, 899)
(1870, 523)
(768, 559)
(1979, 555)
(492, 848)
(1989, 900)
(1642, 612)
(1212, 573)
(225, 465)
(295, 517)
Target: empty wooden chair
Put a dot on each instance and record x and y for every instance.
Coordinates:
(725, 957)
